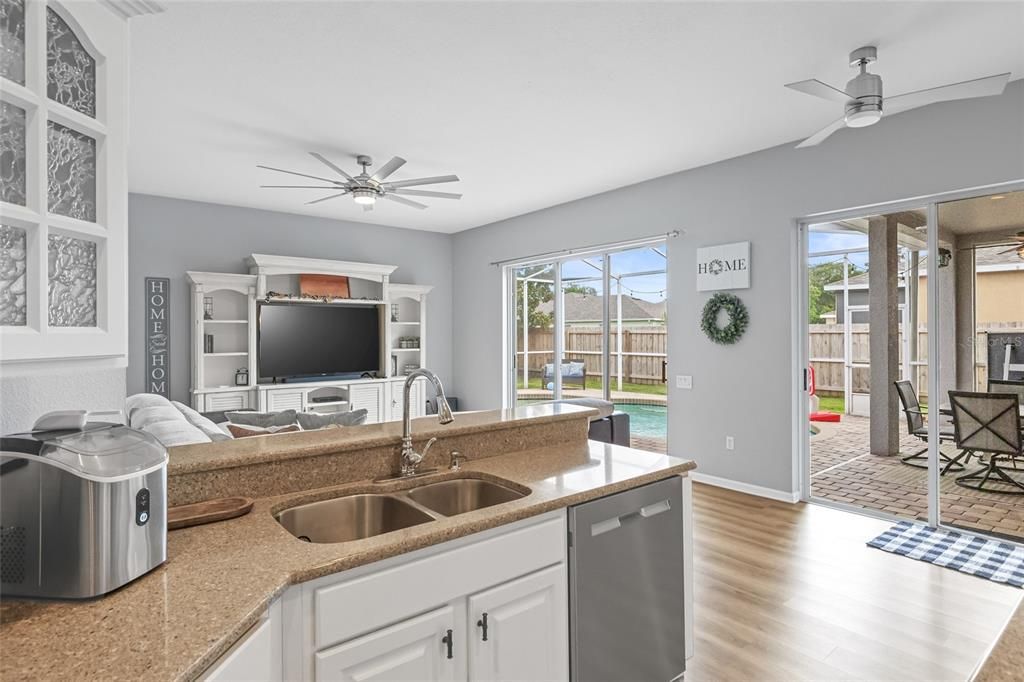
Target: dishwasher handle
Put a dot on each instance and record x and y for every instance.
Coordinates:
(616, 522)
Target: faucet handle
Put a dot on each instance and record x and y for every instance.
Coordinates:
(426, 447)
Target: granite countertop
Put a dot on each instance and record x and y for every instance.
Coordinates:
(219, 578)
(1006, 662)
(274, 448)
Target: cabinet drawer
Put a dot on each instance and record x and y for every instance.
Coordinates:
(216, 402)
(351, 608)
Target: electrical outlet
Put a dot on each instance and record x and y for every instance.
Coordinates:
(730, 444)
(684, 381)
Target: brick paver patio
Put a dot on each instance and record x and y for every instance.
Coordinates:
(843, 471)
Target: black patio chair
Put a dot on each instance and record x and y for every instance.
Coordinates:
(919, 429)
(988, 424)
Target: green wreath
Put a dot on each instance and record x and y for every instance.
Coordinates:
(738, 318)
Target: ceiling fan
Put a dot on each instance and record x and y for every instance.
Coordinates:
(863, 99)
(365, 188)
(1018, 247)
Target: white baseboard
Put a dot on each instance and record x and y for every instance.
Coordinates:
(748, 488)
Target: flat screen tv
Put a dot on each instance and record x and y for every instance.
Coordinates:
(316, 339)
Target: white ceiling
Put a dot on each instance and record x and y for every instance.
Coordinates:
(532, 104)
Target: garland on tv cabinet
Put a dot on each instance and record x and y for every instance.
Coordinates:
(738, 318)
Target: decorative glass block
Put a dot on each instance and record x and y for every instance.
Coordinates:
(12, 40)
(12, 154)
(70, 70)
(72, 273)
(71, 172)
(12, 276)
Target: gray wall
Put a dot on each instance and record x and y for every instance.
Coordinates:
(745, 390)
(169, 236)
(58, 385)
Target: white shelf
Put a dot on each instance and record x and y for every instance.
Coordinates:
(226, 355)
(407, 324)
(406, 350)
(225, 321)
(330, 301)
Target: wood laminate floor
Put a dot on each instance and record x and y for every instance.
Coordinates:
(791, 592)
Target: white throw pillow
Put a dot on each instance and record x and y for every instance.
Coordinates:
(200, 422)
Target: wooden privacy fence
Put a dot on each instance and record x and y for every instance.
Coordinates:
(643, 351)
(826, 354)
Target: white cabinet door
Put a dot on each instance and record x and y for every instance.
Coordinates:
(413, 650)
(395, 396)
(285, 400)
(369, 397)
(256, 657)
(526, 626)
(234, 400)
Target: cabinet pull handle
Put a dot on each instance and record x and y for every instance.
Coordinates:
(447, 639)
(482, 623)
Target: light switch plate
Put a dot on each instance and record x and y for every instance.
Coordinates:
(684, 381)
(730, 443)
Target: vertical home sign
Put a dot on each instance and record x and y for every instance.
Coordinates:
(158, 322)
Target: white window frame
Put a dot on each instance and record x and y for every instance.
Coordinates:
(104, 34)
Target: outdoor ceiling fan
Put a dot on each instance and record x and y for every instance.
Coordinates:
(365, 188)
(1018, 247)
(863, 98)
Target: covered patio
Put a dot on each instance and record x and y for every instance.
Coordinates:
(878, 334)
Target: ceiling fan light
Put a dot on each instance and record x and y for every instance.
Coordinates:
(365, 197)
(863, 118)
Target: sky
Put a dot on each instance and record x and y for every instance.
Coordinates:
(830, 241)
(647, 287)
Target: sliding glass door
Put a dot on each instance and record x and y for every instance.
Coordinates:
(592, 325)
(913, 361)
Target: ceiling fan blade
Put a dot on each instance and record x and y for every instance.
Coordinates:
(367, 207)
(1012, 250)
(331, 165)
(302, 186)
(304, 175)
(819, 137)
(407, 202)
(979, 87)
(422, 181)
(427, 193)
(818, 89)
(388, 168)
(326, 198)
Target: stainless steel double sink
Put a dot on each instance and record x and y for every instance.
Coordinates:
(364, 515)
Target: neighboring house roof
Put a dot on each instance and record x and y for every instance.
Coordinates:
(587, 308)
(985, 260)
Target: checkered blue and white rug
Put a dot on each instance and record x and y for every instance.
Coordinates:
(998, 561)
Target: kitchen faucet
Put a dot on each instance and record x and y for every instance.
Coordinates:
(410, 458)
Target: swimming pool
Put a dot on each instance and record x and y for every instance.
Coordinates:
(645, 420)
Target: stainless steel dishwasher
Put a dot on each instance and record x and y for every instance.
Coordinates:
(626, 610)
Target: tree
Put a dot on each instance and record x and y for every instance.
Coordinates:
(820, 301)
(538, 292)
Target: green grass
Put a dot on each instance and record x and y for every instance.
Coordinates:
(827, 403)
(595, 383)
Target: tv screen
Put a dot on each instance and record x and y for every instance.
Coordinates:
(311, 339)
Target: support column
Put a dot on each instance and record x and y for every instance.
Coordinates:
(966, 327)
(914, 317)
(883, 345)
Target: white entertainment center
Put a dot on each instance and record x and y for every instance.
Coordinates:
(224, 315)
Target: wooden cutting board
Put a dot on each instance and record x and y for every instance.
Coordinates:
(207, 512)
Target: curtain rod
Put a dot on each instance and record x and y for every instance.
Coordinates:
(598, 248)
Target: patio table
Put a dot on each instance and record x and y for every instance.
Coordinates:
(947, 410)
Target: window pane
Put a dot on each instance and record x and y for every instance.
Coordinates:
(71, 173)
(12, 40)
(70, 70)
(12, 154)
(72, 272)
(534, 297)
(12, 276)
